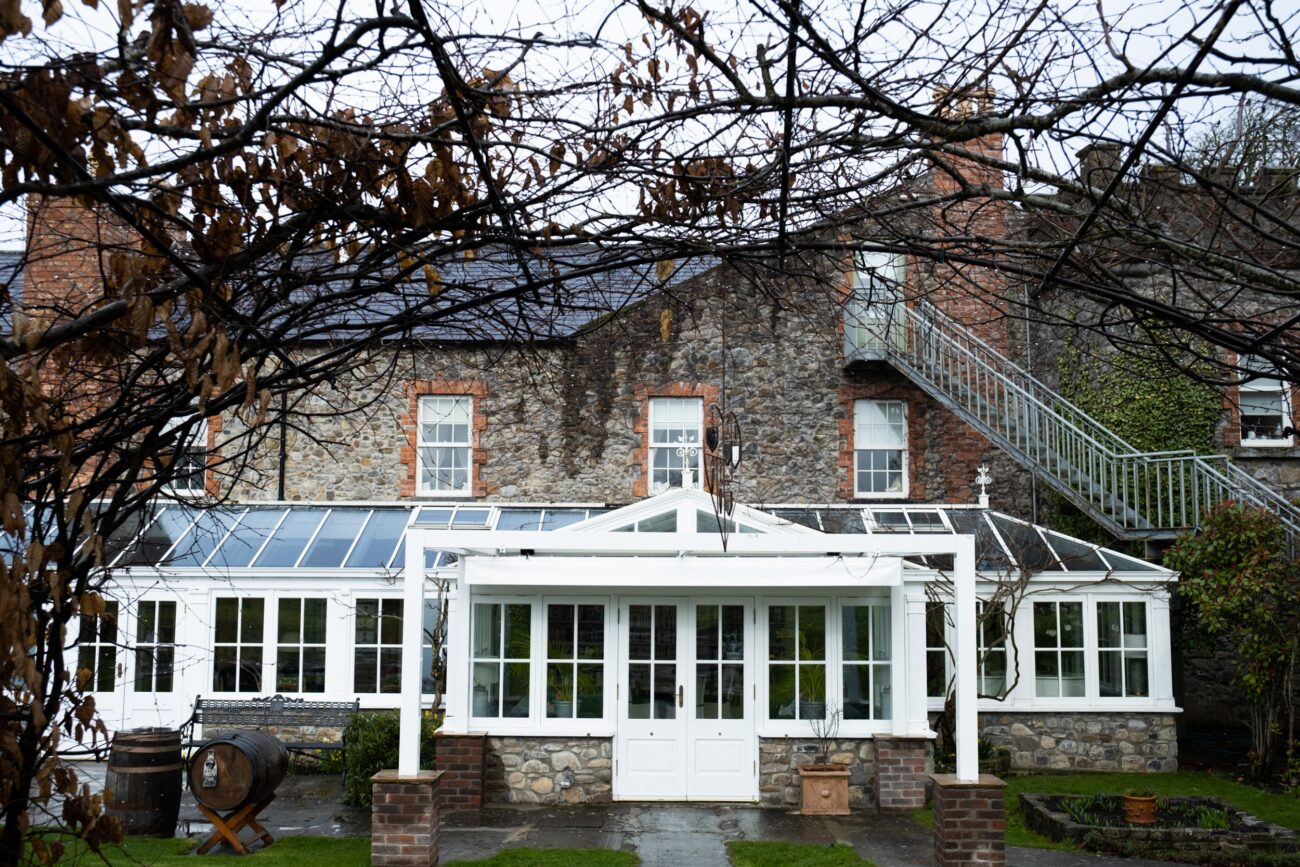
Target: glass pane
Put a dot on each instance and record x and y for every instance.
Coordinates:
(167, 622)
(812, 632)
(519, 519)
(313, 621)
(665, 632)
(881, 632)
(519, 622)
(665, 686)
(1108, 625)
(857, 692)
(706, 632)
(557, 518)
(144, 669)
(1110, 678)
(936, 675)
(780, 691)
(638, 633)
(378, 540)
(164, 666)
(1135, 624)
(934, 624)
(731, 692)
(559, 631)
(706, 691)
(733, 632)
(812, 685)
(995, 673)
(390, 623)
(207, 532)
(487, 688)
(289, 625)
(251, 532)
(146, 624)
(1135, 673)
(881, 676)
(638, 690)
(665, 523)
(313, 669)
(857, 637)
(591, 631)
(367, 622)
(390, 669)
(224, 667)
(1047, 682)
(250, 620)
(334, 539)
(250, 669)
(559, 690)
(1045, 631)
(591, 691)
(227, 621)
(487, 631)
(780, 634)
(290, 538)
(365, 669)
(514, 697)
(286, 670)
(1072, 673)
(108, 623)
(1072, 624)
(106, 671)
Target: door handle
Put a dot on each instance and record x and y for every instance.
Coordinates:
(681, 692)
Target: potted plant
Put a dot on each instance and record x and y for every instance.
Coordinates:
(1140, 807)
(563, 693)
(812, 692)
(824, 786)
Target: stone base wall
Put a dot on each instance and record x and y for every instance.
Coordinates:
(536, 770)
(1102, 741)
(778, 768)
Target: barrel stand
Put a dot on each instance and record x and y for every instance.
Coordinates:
(228, 827)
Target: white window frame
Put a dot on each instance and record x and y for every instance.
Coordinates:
(1085, 647)
(239, 644)
(378, 646)
(466, 446)
(860, 446)
(196, 444)
(982, 653)
(537, 673)
(872, 664)
(657, 409)
(1124, 651)
(300, 645)
(1281, 389)
(795, 725)
(536, 685)
(101, 651)
(874, 293)
(151, 647)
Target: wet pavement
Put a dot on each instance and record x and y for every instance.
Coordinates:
(662, 835)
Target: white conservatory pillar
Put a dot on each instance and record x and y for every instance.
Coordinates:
(408, 750)
(965, 653)
(918, 705)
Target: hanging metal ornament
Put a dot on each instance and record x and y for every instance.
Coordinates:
(722, 451)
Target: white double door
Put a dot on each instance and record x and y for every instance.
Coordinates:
(686, 700)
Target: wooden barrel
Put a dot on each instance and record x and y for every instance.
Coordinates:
(144, 778)
(237, 769)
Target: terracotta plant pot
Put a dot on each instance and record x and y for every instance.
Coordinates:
(825, 790)
(1140, 809)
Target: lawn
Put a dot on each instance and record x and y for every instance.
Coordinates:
(1282, 810)
(755, 853)
(285, 852)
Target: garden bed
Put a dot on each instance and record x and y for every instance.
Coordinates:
(1190, 829)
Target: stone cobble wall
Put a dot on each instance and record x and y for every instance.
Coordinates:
(779, 760)
(534, 770)
(562, 420)
(1103, 741)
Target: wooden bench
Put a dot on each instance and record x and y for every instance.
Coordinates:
(274, 711)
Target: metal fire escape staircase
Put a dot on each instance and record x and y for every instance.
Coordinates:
(1135, 495)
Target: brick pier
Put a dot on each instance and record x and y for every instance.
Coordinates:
(903, 766)
(404, 819)
(461, 759)
(970, 822)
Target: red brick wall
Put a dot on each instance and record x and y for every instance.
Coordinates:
(405, 817)
(67, 255)
(478, 423)
(903, 767)
(969, 822)
(641, 425)
(461, 759)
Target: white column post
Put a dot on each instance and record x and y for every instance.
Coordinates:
(408, 751)
(918, 706)
(456, 699)
(1159, 649)
(900, 659)
(967, 722)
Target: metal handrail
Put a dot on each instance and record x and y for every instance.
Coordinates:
(1135, 494)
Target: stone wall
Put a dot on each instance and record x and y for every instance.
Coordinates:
(779, 760)
(535, 770)
(1103, 741)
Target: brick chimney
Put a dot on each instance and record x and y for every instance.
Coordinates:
(67, 255)
(1099, 163)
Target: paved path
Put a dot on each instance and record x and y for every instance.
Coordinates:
(662, 835)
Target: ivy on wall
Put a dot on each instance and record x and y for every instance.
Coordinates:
(1146, 401)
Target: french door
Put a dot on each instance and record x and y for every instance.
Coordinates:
(686, 710)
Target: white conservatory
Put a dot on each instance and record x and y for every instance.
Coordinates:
(623, 653)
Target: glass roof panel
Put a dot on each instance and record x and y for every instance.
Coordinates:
(334, 539)
(375, 547)
(435, 516)
(209, 529)
(664, 523)
(1075, 556)
(554, 519)
(241, 545)
(706, 522)
(1025, 543)
(843, 521)
(888, 520)
(519, 519)
(471, 519)
(290, 538)
(1124, 563)
(989, 556)
(806, 517)
(927, 521)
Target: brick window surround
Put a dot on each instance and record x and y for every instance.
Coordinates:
(641, 425)
(1232, 410)
(915, 403)
(410, 427)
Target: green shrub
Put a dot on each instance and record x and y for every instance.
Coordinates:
(372, 746)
